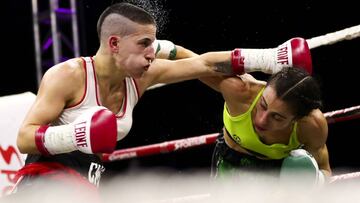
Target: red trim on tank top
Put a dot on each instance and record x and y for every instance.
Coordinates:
(136, 87)
(124, 103)
(83, 97)
(96, 86)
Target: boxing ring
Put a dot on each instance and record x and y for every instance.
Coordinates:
(173, 146)
(189, 191)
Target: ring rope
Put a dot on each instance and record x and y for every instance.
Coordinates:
(170, 146)
(345, 176)
(343, 114)
(334, 37)
(164, 147)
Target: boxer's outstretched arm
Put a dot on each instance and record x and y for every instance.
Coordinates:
(293, 53)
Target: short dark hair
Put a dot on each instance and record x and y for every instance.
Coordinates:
(127, 10)
(297, 88)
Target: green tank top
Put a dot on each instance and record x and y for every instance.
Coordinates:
(241, 130)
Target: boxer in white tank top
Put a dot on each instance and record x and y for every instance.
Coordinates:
(91, 98)
(80, 113)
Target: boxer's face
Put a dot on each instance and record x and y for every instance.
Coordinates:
(135, 51)
(271, 113)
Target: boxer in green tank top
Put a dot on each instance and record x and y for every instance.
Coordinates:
(265, 121)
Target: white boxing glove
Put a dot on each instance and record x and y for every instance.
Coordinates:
(300, 166)
(94, 131)
(292, 53)
(164, 49)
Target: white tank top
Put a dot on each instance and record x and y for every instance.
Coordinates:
(91, 98)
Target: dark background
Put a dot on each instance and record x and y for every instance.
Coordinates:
(190, 108)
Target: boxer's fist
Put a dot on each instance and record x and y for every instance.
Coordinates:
(94, 131)
(301, 166)
(296, 54)
(164, 49)
(293, 53)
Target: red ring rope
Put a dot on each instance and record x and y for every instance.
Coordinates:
(170, 146)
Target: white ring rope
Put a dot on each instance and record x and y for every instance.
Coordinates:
(343, 114)
(353, 110)
(334, 37)
(345, 176)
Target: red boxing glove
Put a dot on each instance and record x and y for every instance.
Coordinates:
(300, 54)
(293, 53)
(95, 131)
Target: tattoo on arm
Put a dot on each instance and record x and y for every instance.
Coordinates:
(224, 67)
